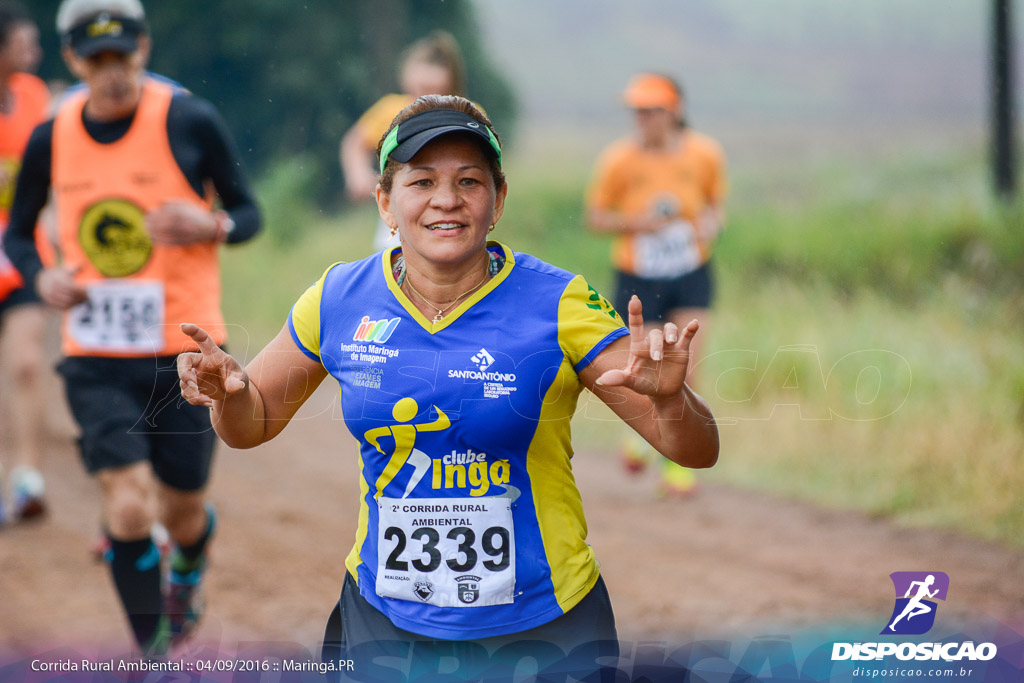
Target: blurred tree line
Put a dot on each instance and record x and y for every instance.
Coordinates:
(291, 77)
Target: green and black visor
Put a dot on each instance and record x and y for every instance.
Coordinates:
(409, 137)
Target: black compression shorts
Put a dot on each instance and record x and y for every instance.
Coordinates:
(19, 297)
(574, 643)
(659, 297)
(130, 410)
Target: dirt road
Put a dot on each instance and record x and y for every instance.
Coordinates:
(722, 563)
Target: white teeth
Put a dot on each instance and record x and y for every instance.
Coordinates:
(444, 226)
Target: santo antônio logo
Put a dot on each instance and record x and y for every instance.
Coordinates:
(113, 236)
(482, 360)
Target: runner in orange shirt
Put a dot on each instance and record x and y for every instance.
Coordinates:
(133, 164)
(660, 192)
(24, 103)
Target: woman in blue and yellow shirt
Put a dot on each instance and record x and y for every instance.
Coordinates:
(460, 363)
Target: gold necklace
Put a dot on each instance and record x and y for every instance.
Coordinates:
(439, 316)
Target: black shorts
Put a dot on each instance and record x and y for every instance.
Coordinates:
(693, 290)
(130, 410)
(573, 643)
(19, 297)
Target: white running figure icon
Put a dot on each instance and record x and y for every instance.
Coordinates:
(915, 607)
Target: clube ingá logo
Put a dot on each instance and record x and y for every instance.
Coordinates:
(916, 595)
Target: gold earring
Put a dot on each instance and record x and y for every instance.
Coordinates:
(394, 230)
(491, 229)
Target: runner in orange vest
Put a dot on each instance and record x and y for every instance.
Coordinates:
(135, 166)
(24, 103)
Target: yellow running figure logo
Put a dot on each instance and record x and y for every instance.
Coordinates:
(404, 436)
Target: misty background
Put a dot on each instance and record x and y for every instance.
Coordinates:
(777, 82)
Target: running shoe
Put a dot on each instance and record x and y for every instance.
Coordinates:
(183, 599)
(635, 455)
(677, 481)
(160, 642)
(28, 487)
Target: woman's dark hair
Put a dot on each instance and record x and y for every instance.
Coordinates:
(427, 103)
(12, 15)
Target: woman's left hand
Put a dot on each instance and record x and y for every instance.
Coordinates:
(657, 361)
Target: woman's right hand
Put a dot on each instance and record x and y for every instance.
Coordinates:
(209, 374)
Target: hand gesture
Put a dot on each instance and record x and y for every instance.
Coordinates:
(658, 360)
(210, 374)
(181, 223)
(57, 287)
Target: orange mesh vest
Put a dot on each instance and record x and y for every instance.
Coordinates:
(139, 291)
(30, 100)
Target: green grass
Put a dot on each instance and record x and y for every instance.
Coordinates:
(920, 418)
(865, 347)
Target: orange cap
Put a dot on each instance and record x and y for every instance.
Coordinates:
(651, 91)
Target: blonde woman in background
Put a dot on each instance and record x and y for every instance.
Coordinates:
(431, 66)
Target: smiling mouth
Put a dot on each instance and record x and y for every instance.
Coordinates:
(445, 226)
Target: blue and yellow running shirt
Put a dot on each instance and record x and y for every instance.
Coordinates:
(470, 522)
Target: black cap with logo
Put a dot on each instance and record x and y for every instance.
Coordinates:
(105, 32)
